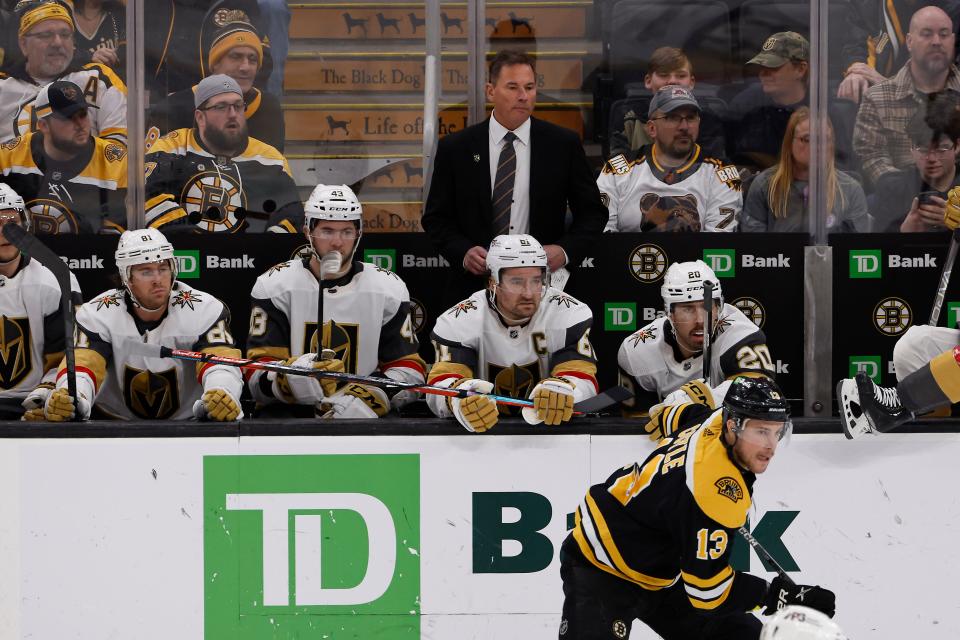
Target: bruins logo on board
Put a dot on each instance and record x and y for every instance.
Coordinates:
(418, 315)
(114, 153)
(217, 196)
(647, 263)
(51, 217)
(729, 488)
(516, 381)
(303, 251)
(619, 629)
(752, 308)
(151, 395)
(16, 360)
(344, 339)
(892, 316)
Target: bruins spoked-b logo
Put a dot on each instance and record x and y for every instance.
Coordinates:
(217, 196)
(151, 395)
(647, 263)
(344, 339)
(516, 381)
(752, 308)
(15, 357)
(729, 488)
(418, 315)
(51, 216)
(892, 316)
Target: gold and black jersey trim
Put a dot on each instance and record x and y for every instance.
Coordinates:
(711, 592)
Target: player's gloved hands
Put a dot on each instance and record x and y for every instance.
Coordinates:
(781, 594)
(354, 401)
(659, 426)
(552, 402)
(476, 413)
(60, 407)
(307, 389)
(35, 402)
(219, 405)
(951, 217)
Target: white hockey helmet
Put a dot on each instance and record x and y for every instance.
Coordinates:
(10, 199)
(519, 250)
(142, 246)
(794, 622)
(683, 282)
(332, 202)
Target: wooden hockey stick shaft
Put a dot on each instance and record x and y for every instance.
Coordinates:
(945, 277)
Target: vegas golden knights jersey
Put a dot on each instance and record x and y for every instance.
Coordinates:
(187, 184)
(652, 367)
(101, 87)
(674, 518)
(131, 386)
(31, 327)
(82, 195)
(472, 341)
(367, 321)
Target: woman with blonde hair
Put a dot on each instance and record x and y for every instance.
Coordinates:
(778, 199)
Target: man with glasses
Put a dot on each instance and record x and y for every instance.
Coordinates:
(518, 337)
(367, 328)
(217, 177)
(46, 38)
(654, 541)
(671, 186)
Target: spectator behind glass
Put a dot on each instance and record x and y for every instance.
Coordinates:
(778, 197)
(101, 34)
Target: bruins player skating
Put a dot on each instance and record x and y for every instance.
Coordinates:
(653, 542)
(152, 307)
(518, 338)
(31, 322)
(366, 311)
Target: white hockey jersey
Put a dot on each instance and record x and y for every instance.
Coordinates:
(641, 195)
(131, 386)
(367, 321)
(651, 364)
(472, 341)
(101, 86)
(31, 327)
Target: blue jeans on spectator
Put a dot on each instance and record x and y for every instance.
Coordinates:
(275, 17)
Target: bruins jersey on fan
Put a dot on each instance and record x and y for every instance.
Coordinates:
(101, 87)
(472, 341)
(651, 364)
(187, 184)
(31, 327)
(82, 195)
(367, 321)
(641, 195)
(132, 386)
(673, 518)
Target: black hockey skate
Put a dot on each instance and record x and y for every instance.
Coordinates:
(868, 408)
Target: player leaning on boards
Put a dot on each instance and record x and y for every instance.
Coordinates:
(367, 319)
(795, 622)
(653, 542)
(516, 337)
(663, 361)
(152, 307)
(33, 330)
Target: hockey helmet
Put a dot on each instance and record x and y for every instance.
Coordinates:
(683, 282)
(142, 246)
(521, 250)
(332, 202)
(794, 622)
(759, 398)
(10, 199)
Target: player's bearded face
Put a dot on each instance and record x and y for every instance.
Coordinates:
(688, 320)
(151, 283)
(520, 291)
(756, 444)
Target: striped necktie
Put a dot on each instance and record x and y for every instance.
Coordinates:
(503, 186)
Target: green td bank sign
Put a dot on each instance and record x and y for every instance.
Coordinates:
(311, 546)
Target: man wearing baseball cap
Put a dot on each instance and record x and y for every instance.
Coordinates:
(71, 181)
(671, 186)
(215, 175)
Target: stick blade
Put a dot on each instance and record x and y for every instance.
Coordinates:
(604, 400)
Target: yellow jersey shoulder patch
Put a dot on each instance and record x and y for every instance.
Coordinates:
(619, 165)
(717, 485)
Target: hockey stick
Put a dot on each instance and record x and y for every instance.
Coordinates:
(765, 555)
(945, 277)
(329, 264)
(707, 328)
(28, 244)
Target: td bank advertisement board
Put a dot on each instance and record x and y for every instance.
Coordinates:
(429, 537)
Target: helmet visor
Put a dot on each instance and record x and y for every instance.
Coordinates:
(764, 432)
(519, 284)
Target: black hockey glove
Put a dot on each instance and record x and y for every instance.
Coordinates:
(781, 594)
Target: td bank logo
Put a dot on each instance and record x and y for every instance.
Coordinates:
(865, 263)
(620, 316)
(188, 263)
(953, 314)
(870, 365)
(722, 261)
(383, 258)
(311, 545)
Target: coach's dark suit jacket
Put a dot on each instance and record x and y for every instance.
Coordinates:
(459, 214)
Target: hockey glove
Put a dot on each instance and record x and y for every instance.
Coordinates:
(60, 407)
(951, 216)
(35, 402)
(355, 401)
(476, 413)
(296, 389)
(552, 402)
(780, 594)
(219, 405)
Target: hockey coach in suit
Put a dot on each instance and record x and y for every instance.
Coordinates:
(511, 174)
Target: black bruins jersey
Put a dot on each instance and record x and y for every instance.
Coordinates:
(673, 519)
(253, 191)
(83, 195)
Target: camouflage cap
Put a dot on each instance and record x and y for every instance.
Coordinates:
(672, 97)
(781, 48)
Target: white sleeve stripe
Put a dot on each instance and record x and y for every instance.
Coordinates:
(589, 529)
(708, 594)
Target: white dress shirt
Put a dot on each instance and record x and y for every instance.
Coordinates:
(520, 209)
